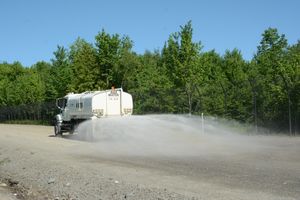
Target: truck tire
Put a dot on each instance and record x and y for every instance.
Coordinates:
(57, 129)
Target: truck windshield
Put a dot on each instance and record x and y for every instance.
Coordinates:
(61, 103)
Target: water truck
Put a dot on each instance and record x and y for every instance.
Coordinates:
(90, 105)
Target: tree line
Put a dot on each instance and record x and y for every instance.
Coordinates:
(180, 78)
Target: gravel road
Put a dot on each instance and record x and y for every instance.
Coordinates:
(5, 193)
(40, 166)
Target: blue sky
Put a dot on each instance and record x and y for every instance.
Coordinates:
(32, 29)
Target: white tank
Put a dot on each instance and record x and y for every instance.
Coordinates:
(98, 104)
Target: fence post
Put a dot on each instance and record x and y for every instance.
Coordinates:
(202, 123)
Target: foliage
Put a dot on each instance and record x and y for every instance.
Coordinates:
(180, 78)
(180, 56)
(85, 71)
(60, 70)
(152, 88)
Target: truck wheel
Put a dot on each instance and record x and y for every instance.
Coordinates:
(57, 129)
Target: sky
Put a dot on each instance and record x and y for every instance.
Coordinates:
(30, 30)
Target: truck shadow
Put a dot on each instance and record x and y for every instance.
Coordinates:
(75, 136)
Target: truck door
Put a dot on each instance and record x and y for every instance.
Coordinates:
(61, 103)
(114, 102)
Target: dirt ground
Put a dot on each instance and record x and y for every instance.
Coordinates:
(6, 194)
(40, 166)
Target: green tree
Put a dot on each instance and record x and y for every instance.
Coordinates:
(28, 88)
(13, 72)
(108, 54)
(212, 95)
(271, 61)
(290, 75)
(152, 89)
(254, 79)
(86, 74)
(181, 56)
(235, 87)
(125, 65)
(61, 71)
(4, 81)
(43, 70)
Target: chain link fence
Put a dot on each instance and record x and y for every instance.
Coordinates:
(39, 112)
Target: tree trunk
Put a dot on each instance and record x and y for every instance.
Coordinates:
(288, 87)
(189, 93)
(199, 102)
(255, 111)
(290, 114)
(225, 98)
(296, 124)
(252, 83)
